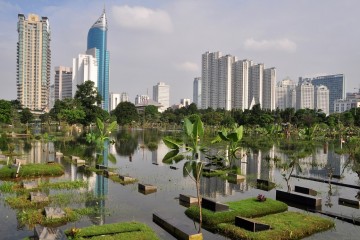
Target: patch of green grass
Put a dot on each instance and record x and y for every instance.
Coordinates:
(215, 173)
(3, 162)
(249, 208)
(115, 178)
(7, 187)
(287, 225)
(33, 170)
(23, 201)
(64, 185)
(116, 231)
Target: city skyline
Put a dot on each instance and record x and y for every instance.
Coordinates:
(167, 46)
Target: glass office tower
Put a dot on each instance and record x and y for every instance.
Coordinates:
(97, 46)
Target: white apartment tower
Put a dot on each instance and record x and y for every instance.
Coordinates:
(256, 84)
(63, 82)
(141, 99)
(322, 99)
(209, 79)
(114, 100)
(305, 96)
(240, 91)
(268, 92)
(284, 94)
(161, 94)
(124, 97)
(33, 62)
(197, 91)
(223, 91)
(85, 67)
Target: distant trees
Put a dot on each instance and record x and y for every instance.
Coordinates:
(5, 111)
(126, 113)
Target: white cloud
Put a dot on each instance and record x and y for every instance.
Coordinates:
(142, 18)
(279, 44)
(188, 67)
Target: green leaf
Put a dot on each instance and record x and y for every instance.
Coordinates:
(112, 158)
(188, 127)
(187, 169)
(239, 132)
(171, 143)
(233, 137)
(112, 126)
(198, 129)
(168, 158)
(223, 135)
(100, 159)
(99, 124)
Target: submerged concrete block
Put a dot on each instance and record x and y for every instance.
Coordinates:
(250, 225)
(305, 190)
(47, 233)
(349, 202)
(29, 185)
(38, 197)
(127, 178)
(59, 154)
(299, 199)
(188, 198)
(176, 228)
(54, 212)
(265, 185)
(80, 161)
(213, 205)
(146, 188)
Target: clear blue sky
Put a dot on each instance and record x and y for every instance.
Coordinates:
(154, 41)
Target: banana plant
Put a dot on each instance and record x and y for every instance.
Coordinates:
(233, 138)
(189, 148)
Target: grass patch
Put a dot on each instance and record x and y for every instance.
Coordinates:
(33, 170)
(215, 173)
(287, 225)
(115, 231)
(68, 185)
(23, 201)
(116, 178)
(31, 217)
(249, 208)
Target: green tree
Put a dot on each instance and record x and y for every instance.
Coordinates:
(26, 116)
(5, 111)
(126, 113)
(88, 97)
(151, 113)
(72, 116)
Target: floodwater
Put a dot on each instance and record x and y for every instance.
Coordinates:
(133, 158)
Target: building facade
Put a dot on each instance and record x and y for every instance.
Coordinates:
(197, 91)
(321, 99)
(115, 99)
(124, 97)
(335, 84)
(63, 82)
(269, 83)
(85, 68)
(185, 102)
(304, 96)
(33, 62)
(283, 94)
(97, 46)
(161, 94)
(240, 86)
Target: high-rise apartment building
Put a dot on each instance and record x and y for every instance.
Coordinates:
(269, 82)
(240, 86)
(185, 102)
(141, 99)
(335, 84)
(114, 100)
(321, 99)
(33, 62)
(97, 45)
(85, 68)
(284, 94)
(197, 91)
(63, 82)
(305, 96)
(124, 97)
(228, 83)
(161, 94)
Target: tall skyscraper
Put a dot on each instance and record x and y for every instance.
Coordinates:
(256, 84)
(240, 85)
(33, 62)
(335, 84)
(224, 84)
(63, 82)
(209, 79)
(197, 91)
(85, 68)
(97, 46)
(321, 99)
(161, 94)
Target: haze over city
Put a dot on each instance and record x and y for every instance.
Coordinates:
(162, 41)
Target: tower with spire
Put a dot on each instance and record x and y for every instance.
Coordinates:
(97, 46)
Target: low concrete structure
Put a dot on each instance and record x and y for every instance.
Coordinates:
(127, 178)
(109, 173)
(213, 205)
(74, 158)
(349, 203)
(38, 197)
(29, 185)
(80, 161)
(173, 168)
(59, 154)
(46, 233)
(146, 188)
(188, 198)
(176, 228)
(305, 190)
(250, 224)
(100, 167)
(302, 200)
(54, 212)
(21, 161)
(236, 176)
